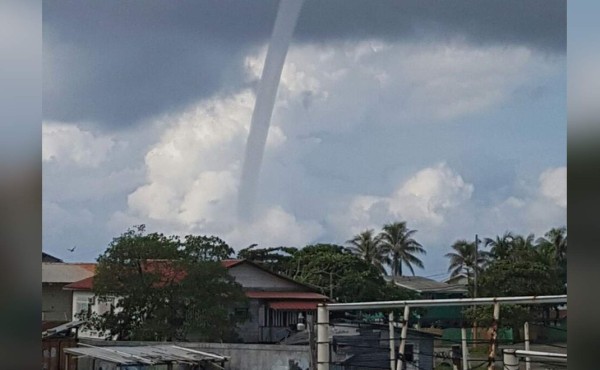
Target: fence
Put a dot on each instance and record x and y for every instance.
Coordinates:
(398, 359)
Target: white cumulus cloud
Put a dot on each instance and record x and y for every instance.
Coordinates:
(424, 199)
(553, 185)
(68, 143)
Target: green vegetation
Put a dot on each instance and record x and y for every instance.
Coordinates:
(167, 288)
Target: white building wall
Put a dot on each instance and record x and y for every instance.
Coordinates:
(56, 302)
(84, 301)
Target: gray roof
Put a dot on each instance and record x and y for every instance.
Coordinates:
(424, 285)
(62, 328)
(64, 272)
(146, 355)
(49, 258)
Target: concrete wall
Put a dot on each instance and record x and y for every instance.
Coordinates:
(242, 356)
(56, 303)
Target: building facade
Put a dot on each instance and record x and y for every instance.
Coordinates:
(275, 302)
(56, 301)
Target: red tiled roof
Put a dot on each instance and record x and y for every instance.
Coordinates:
(294, 305)
(230, 263)
(285, 295)
(85, 284)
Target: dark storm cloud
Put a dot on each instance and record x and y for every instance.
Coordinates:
(116, 62)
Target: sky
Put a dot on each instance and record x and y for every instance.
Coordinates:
(450, 116)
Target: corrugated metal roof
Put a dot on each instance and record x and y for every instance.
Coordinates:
(285, 295)
(66, 272)
(62, 328)
(424, 285)
(146, 355)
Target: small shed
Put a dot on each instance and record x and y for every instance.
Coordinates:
(156, 357)
(54, 341)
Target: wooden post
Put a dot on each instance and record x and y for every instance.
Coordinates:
(493, 337)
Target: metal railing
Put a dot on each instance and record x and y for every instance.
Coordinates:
(323, 340)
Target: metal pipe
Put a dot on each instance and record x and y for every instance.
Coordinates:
(510, 359)
(521, 352)
(322, 337)
(392, 341)
(402, 361)
(446, 302)
(526, 338)
(465, 353)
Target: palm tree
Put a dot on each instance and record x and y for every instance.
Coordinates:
(554, 243)
(501, 246)
(463, 259)
(397, 242)
(368, 247)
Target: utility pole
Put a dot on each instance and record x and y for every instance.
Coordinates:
(330, 284)
(475, 266)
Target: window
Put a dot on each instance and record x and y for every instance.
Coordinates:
(82, 305)
(277, 318)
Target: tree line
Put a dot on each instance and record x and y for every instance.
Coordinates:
(157, 303)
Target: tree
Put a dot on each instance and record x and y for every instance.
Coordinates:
(343, 275)
(277, 259)
(554, 242)
(523, 276)
(464, 259)
(368, 246)
(399, 245)
(166, 289)
(517, 269)
(501, 246)
(553, 249)
(207, 248)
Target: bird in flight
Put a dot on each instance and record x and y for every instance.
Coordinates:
(72, 249)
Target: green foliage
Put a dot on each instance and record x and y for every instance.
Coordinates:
(333, 269)
(166, 289)
(520, 266)
(207, 248)
(367, 245)
(278, 259)
(398, 244)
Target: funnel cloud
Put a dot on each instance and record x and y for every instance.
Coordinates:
(287, 15)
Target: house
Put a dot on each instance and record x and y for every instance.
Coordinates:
(431, 289)
(459, 280)
(56, 302)
(275, 301)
